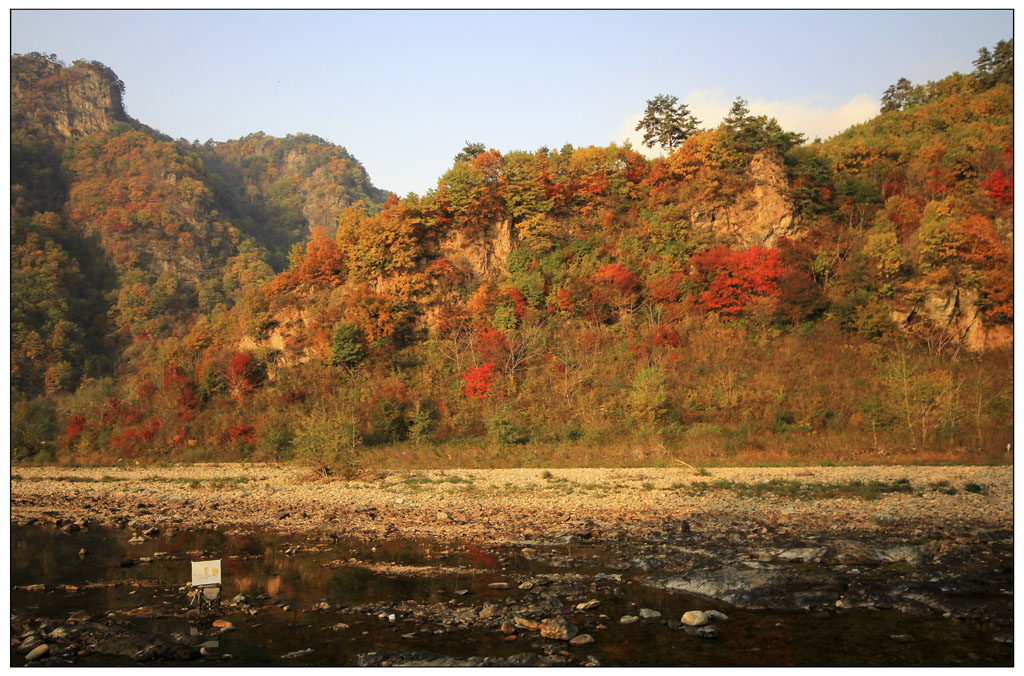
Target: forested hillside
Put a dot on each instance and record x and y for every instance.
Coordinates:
(749, 297)
(123, 236)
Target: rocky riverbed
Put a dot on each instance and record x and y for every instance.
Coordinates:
(900, 565)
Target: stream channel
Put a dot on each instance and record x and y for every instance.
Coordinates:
(319, 600)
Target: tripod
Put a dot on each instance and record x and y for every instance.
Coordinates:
(205, 597)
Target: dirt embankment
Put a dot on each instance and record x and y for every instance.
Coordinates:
(512, 505)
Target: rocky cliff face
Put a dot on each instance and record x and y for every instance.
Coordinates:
(61, 102)
(955, 311)
(486, 253)
(289, 339)
(761, 214)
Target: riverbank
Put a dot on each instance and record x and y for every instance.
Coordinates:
(871, 566)
(511, 505)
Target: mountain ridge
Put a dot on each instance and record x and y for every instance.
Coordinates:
(746, 296)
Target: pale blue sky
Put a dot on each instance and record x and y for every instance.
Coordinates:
(403, 90)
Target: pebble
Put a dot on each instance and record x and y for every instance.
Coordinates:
(498, 585)
(147, 653)
(694, 618)
(649, 614)
(705, 631)
(38, 652)
(628, 619)
(558, 628)
(297, 653)
(527, 624)
(588, 605)
(79, 616)
(582, 639)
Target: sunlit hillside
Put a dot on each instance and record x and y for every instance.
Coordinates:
(749, 298)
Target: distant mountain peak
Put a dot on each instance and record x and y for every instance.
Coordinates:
(64, 102)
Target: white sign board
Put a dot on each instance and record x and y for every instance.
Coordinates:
(205, 572)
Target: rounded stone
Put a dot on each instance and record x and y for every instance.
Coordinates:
(39, 652)
(694, 618)
(582, 639)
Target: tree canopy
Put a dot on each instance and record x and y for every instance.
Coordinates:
(667, 123)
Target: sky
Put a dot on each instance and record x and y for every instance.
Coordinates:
(404, 90)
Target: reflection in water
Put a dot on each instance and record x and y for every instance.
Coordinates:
(257, 564)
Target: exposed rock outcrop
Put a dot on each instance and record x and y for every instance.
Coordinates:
(486, 253)
(761, 214)
(955, 311)
(288, 338)
(61, 102)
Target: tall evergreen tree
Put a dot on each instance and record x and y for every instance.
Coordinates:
(667, 123)
(996, 66)
(897, 96)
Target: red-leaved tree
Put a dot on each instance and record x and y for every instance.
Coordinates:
(241, 374)
(490, 344)
(999, 187)
(76, 424)
(478, 381)
(730, 280)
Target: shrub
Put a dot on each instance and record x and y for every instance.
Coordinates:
(347, 345)
(422, 421)
(648, 399)
(329, 437)
(242, 374)
(389, 423)
(33, 425)
(504, 432)
(277, 441)
(76, 423)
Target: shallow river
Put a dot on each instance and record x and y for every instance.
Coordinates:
(285, 578)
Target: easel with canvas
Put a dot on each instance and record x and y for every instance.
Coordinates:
(205, 584)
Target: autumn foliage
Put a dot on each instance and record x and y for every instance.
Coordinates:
(259, 299)
(478, 381)
(730, 280)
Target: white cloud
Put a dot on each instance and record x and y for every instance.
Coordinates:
(815, 116)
